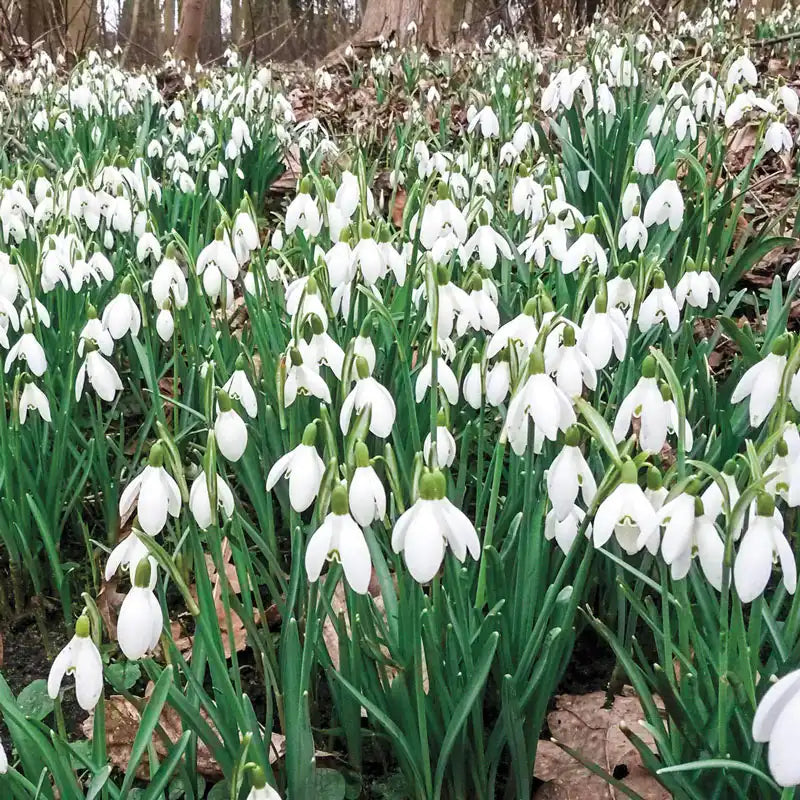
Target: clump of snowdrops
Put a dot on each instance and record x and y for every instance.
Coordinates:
(433, 431)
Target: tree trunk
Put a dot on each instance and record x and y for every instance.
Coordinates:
(211, 38)
(169, 25)
(80, 24)
(391, 18)
(190, 31)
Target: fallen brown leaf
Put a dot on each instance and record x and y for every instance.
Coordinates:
(122, 724)
(582, 723)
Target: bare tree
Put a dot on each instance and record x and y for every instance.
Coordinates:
(191, 30)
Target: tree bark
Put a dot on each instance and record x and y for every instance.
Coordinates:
(169, 25)
(391, 18)
(190, 31)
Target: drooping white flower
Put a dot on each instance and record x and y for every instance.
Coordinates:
(569, 474)
(122, 314)
(229, 429)
(695, 288)
(714, 500)
(632, 235)
(585, 252)
(127, 555)
(304, 469)
(688, 530)
(200, 500)
(488, 122)
(140, 619)
(519, 333)
(3, 760)
(777, 721)
(371, 396)
(540, 401)
(32, 397)
(440, 220)
(366, 494)
(169, 282)
(625, 506)
(28, 349)
(103, 378)
(340, 538)
(665, 205)
(445, 446)
(565, 531)
(245, 236)
(644, 160)
(762, 383)
(604, 332)
(424, 531)
(646, 403)
(487, 241)
(80, 658)
(238, 387)
(155, 493)
(742, 70)
(303, 213)
(165, 323)
(445, 380)
(570, 365)
(303, 379)
(763, 543)
(778, 138)
(472, 386)
(218, 266)
(659, 305)
(785, 467)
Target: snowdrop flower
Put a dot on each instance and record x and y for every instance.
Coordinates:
(32, 397)
(584, 252)
(762, 383)
(631, 201)
(538, 400)
(81, 658)
(472, 386)
(3, 760)
(695, 288)
(200, 500)
(569, 474)
(519, 333)
(441, 219)
(498, 381)
(658, 306)
(445, 445)
(339, 538)
(102, 376)
(169, 282)
(445, 379)
(303, 213)
(689, 530)
(304, 380)
(122, 314)
(714, 500)
(777, 721)
(624, 507)
(565, 531)
(488, 122)
(777, 138)
(245, 237)
(424, 531)
(127, 554)
(217, 260)
(366, 494)
(632, 234)
(28, 349)
(788, 98)
(140, 618)
(165, 324)
(260, 789)
(571, 367)
(742, 70)
(304, 469)
(604, 332)
(155, 493)
(369, 395)
(487, 241)
(762, 543)
(644, 160)
(229, 429)
(303, 299)
(646, 403)
(238, 387)
(665, 205)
